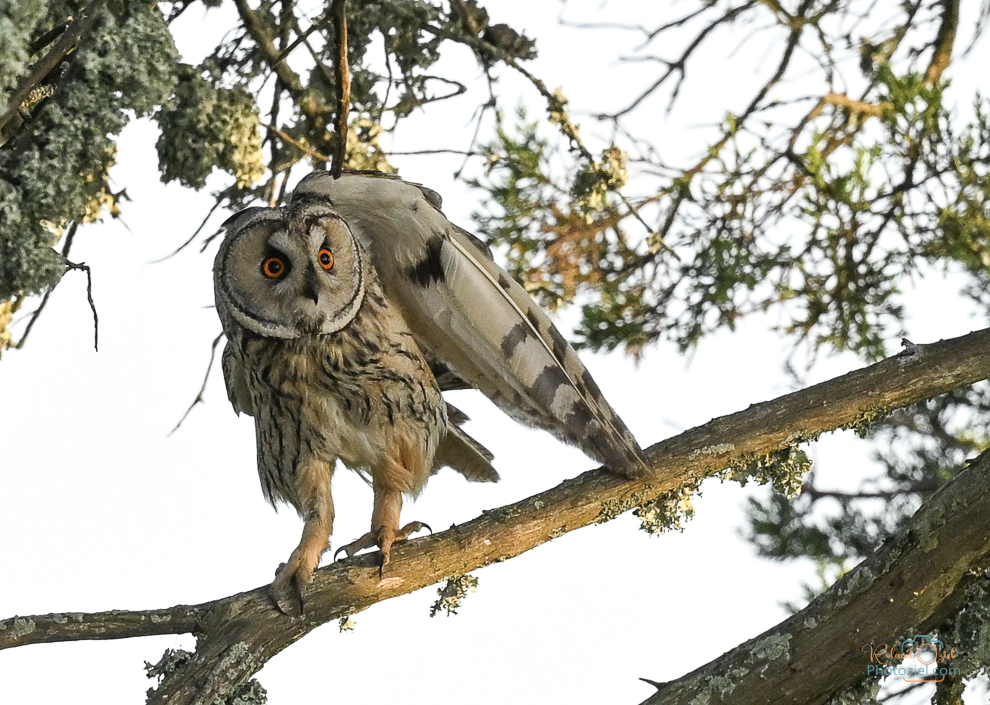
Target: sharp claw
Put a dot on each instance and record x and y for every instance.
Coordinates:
(300, 595)
(427, 527)
(339, 551)
(284, 606)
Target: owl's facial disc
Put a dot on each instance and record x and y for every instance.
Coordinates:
(292, 272)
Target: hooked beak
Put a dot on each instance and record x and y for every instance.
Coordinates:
(311, 288)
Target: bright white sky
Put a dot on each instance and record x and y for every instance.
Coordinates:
(103, 511)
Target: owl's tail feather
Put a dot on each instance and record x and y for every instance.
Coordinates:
(462, 453)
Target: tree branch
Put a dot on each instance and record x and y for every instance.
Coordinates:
(66, 43)
(239, 634)
(915, 581)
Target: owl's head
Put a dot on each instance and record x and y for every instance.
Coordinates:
(288, 272)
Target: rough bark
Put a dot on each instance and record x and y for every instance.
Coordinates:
(238, 634)
(911, 585)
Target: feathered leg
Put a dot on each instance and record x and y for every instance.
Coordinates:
(385, 529)
(289, 588)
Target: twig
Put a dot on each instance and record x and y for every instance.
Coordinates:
(34, 318)
(464, 152)
(70, 237)
(51, 35)
(89, 297)
(342, 77)
(199, 395)
(180, 248)
(297, 144)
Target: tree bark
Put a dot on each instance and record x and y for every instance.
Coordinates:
(914, 582)
(238, 634)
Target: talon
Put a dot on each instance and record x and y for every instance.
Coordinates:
(300, 594)
(384, 537)
(367, 541)
(289, 594)
(288, 590)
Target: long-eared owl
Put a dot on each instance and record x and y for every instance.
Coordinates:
(346, 314)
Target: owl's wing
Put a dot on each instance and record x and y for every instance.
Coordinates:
(470, 314)
(233, 375)
(462, 453)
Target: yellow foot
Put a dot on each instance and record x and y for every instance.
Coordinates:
(383, 538)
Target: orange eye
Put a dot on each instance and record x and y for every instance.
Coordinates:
(273, 267)
(326, 259)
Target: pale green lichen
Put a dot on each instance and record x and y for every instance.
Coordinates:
(714, 450)
(18, 19)
(55, 166)
(669, 511)
(719, 686)
(174, 660)
(206, 126)
(19, 627)
(452, 594)
(783, 469)
(611, 508)
(772, 647)
(968, 630)
(862, 424)
(346, 623)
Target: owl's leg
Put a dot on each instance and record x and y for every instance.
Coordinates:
(289, 588)
(385, 529)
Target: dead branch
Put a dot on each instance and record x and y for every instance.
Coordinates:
(239, 634)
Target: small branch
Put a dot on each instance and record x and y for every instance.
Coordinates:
(89, 297)
(342, 78)
(296, 143)
(856, 106)
(34, 318)
(50, 36)
(417, 152)
(944, 42)
(199, 395)
(116, 624)
(70, 237)
(180, 248)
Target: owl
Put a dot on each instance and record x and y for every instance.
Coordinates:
(347, 313)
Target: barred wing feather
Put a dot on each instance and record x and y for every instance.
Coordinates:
(467, 312)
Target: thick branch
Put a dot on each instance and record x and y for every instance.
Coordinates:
(239, 634)
(39, 71)
(915, 581)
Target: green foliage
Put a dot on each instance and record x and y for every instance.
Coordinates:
(18, 19)
(54, 167)
(559, 237)
(206, 126)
